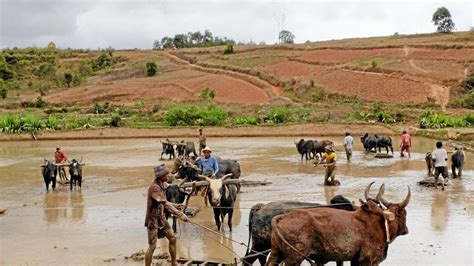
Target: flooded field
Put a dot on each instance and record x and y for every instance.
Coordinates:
(104, 221)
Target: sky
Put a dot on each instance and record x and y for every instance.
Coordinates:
(128, 24)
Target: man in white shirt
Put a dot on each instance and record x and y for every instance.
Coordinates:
(440, 159)
(348, 141)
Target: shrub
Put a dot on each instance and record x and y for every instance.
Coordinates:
(115, 120)
(229, 49)
(67, 79)
(46, 71)
(433, 119)
(373, 64)
(208, 94)
(103, 61)
(318, 95)
(99, 108)
(190, 115)
(3, 89)
(52, 122)
(249, 120)
(280, 114)
(11, 124)
(151, 68)
(469, 82)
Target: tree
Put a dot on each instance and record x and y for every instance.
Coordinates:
(180, 41)
(167, 42)
(442, 19)
(157, 45)
(151, 68)
(286, 37)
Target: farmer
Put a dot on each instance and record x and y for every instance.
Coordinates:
(405, 143)
(202, 141)
(155, 221)
(59, 158)
(440, 159)
(208, 163)
(329, 158)
(348, 142)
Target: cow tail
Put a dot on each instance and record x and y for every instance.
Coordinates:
(254, 210)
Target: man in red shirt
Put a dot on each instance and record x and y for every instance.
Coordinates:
(405, 143)
(155, 221)
(60, 157)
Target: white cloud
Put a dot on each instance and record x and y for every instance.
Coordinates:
(136, 24)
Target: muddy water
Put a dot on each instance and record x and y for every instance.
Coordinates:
(105, 220)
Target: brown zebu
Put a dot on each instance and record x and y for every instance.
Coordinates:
(321, 235)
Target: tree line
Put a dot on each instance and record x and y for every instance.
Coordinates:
(191, 39)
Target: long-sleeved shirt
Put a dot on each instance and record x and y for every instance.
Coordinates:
(209, 166)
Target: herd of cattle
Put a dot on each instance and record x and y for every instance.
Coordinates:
(289, 230)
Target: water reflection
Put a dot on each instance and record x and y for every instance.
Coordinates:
(439, 211)
(329, 193)
(57, 205)
(77, 206)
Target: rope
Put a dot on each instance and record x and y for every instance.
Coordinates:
(305, 207)
(217, 233)
(221, 235)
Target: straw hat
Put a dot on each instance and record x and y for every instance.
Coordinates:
(207, 149)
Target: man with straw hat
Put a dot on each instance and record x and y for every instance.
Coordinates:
(329, 158)
(155, 221)
(208, 163)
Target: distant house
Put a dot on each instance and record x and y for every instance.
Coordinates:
(51, 45)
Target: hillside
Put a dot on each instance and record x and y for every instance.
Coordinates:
(413, 72)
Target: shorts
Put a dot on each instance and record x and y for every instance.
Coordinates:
(443, 170)
(405, 148)
(154, 233)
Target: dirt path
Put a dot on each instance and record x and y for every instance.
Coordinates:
(412, 64)
(273, 92)
(440, 93)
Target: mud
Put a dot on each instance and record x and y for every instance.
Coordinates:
(103, 223)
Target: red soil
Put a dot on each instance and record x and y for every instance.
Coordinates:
(228, 89)
(291, 69)
(448, 54)
(433, 69)
(124, 92)
(344, 56)
(373, 86)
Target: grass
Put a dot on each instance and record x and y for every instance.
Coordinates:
(369, 62)
(436, 120)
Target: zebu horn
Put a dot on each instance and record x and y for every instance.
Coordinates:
(205, 178)
(226, 176)
(295, 141)
(384, 201)
(405, 202)
(381, 190)
(367, 190)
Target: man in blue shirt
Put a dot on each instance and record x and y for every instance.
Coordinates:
(208, 163)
